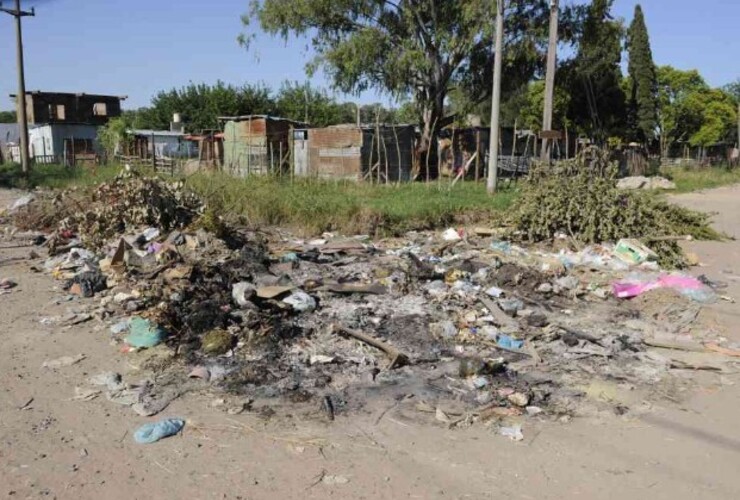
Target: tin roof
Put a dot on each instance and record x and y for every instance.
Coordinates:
(159, 133)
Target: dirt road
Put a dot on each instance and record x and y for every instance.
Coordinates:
(54, 446)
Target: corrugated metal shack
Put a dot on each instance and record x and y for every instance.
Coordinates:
(257, 144)
(458, 146)
(373, 153)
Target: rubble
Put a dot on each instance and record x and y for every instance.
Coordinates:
(500, 329)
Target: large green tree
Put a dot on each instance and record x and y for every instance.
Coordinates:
(692, 112)
(593, 77)
(525, 107)
(417, 48)
(303, 102)
(202, 104)
(674, 88)
(643, 103)
(713, 116)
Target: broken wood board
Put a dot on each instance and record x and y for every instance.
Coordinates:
(372, 288)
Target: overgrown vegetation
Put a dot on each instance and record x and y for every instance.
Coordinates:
(313, 206)
(689, 179)
(309, 206)
(54, 176)
(580, 198)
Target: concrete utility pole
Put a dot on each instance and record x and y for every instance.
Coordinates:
(552, 49)
(21, 99)
(496, 105)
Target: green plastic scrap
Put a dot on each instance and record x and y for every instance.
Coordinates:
(144, 333)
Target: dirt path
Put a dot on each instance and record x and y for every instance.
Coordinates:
(53, 446)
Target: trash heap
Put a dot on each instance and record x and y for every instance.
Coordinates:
(458, 327)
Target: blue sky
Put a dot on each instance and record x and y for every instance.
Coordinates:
(137, 47)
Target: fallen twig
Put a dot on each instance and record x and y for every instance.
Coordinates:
(498, 314)
(397, 358)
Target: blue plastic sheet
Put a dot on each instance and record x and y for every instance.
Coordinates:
(153, 432)
(508, 342)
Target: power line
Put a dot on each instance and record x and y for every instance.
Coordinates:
(18, 14)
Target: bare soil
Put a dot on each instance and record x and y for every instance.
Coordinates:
(54, 446)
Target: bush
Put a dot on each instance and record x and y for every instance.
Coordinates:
(580, 198)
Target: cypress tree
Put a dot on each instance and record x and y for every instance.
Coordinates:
(643, 80)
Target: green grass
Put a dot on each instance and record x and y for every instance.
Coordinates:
(55, 176)
(313, 206)
(309, 206)
(689, 179)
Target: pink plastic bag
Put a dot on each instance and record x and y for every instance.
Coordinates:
(687, 285)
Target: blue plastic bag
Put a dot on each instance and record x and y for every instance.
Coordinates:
(153, 432)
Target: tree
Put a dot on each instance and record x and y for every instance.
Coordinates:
(8, 117)
(675, 121)
(302, 102)
(533, 101)
(593, 78)
(114, 134)
(202, 104)
(417, 48)
(733, 89)
(712, 115)
(643, 104)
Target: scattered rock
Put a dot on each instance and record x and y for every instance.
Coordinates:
(63, 361)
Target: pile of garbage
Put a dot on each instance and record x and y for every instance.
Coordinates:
(581, 199)
(96, 215)
(458, 327)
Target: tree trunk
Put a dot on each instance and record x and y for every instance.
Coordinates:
(432, 120)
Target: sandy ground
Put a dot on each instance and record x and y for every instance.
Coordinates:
(53, 446)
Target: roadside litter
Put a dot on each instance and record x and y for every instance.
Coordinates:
(153, 432)
(499, 327)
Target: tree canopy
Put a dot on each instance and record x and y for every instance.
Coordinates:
(593, 78)
(690, 111)
(417, 48)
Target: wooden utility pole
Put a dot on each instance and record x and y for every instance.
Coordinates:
(552, 49)
(496, 104)
(21, 99)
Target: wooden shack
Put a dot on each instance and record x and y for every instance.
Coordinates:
(257, 144)
(371, 153)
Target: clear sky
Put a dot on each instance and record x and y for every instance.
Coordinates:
(137, 47)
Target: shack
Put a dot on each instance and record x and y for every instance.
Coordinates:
(68, 143)
(161, 143)
(257, 144)
(458, 147)
(374, 153)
